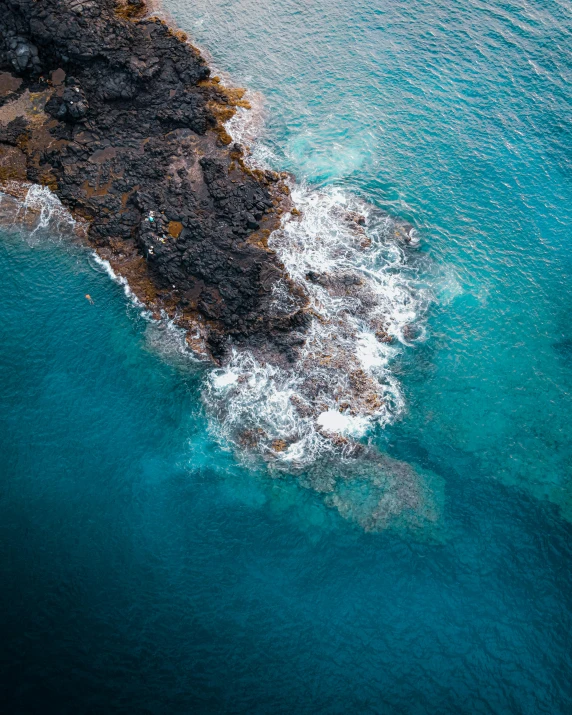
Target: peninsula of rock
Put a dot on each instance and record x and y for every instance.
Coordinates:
(118, 114)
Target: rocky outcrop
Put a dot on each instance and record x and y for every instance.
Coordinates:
(119, 115)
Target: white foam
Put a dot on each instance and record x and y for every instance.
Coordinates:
(366, 304)
(41, 210)
(371, 353)
(344, 424)
(341, 384)
(163, 334)
(116, 278)
(223, 379)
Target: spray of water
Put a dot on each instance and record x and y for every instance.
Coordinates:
(41, 212)
(366, 305)
(367, 302)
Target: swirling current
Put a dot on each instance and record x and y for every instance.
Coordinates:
(383, 526)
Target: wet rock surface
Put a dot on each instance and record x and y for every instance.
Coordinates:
(118, 115)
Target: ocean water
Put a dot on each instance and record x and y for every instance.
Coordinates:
(149, 566)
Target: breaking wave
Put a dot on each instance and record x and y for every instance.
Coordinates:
(103, 266)
(367, 304)
(37, 210)
(162, 334)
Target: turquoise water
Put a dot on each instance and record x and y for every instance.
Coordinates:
(455, 117)
(144, 569)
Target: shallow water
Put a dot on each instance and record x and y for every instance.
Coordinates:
(145, 570)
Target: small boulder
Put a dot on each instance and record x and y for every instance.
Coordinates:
(23, 55)
(70, 106)
(251, 222)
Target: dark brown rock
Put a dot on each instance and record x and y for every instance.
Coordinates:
(131, 138)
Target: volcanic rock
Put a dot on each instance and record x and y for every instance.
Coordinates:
(117, 113)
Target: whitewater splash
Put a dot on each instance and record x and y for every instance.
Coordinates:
(163, 336)
(104, 266)
(366, 305)
(37, 210)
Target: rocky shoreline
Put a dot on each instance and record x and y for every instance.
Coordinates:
(302, 308)
(119, 116)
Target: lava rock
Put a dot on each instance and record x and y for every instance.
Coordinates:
(71, 106)
(23, 55)
(133, 148)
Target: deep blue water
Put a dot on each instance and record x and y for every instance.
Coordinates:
(144, 570)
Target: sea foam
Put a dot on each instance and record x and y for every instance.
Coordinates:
(36, 209)
(366, 305)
